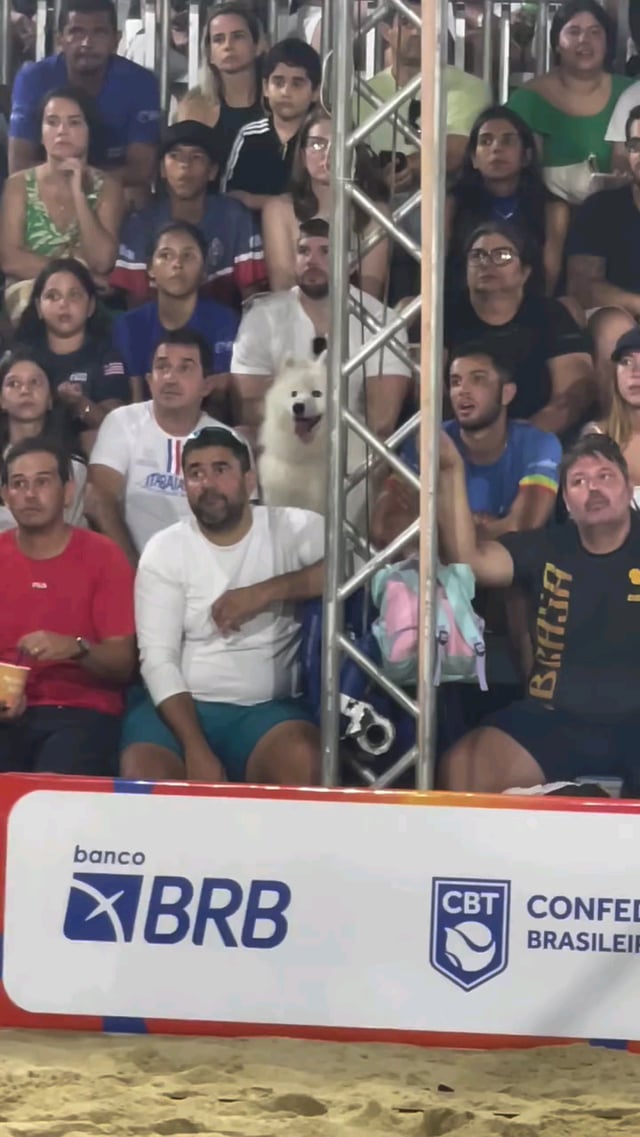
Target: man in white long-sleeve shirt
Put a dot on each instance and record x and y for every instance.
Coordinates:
(218, 632)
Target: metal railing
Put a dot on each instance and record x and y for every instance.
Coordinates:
(488, 36)
(342, 580)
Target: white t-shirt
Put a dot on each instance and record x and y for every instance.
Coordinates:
(180, 576)
(618, 121)
(131, 442)
(276, 326)
(74, 515)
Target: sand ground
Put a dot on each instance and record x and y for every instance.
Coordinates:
(83, 1085)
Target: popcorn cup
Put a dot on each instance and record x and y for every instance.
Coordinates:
(13, 680)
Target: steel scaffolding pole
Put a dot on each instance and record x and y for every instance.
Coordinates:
(341, 163)
(5, 41)
(342, 542)
(433, 183)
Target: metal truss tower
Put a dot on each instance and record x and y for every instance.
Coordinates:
(351, 561)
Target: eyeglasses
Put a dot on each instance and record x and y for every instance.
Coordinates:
(318, 345)
(503, 255)
(633, 145)
(317, 145)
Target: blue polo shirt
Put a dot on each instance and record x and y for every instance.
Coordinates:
(531, 457)
(128, 104)
(137, 333)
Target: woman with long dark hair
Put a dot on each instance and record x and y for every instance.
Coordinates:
(29, 408)
(569, 107)
(70, 336)
(310, 196)
(501, 180)
(64, 207)
(622, 420)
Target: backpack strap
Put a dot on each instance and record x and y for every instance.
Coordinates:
(457, 582)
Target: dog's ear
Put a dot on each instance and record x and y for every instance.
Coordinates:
(289, 362)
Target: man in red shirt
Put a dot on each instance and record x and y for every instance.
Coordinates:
(67, 613)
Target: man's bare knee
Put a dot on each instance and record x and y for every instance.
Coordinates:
(487, 761)
(288, 755)
(144, 762)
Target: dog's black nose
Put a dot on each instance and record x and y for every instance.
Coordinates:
(298, 409)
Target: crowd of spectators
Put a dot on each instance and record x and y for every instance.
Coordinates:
(157, 276)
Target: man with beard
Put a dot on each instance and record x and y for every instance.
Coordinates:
(295, 323)
(511, 468)
(260, 162)
(581, 714)
(218, 631)
(127, 96)
(136, 461)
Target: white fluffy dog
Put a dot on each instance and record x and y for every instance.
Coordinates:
(292, 468)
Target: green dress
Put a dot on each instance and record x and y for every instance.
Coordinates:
(572, 144)
(41, 234)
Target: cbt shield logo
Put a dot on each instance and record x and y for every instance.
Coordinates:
(102, 907)
(469, 929)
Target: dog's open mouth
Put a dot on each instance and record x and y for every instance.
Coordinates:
(304, 427)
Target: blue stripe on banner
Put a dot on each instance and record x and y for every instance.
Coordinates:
(608, 1043)
(124, 786)
(124, 1026)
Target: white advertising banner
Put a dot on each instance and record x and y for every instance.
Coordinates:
(324, 913)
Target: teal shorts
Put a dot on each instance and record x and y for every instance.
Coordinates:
(232, 731)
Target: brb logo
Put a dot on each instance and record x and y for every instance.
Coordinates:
(469, 929)
(112, 907)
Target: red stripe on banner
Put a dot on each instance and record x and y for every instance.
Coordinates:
(344, 1034)
(13, 1017)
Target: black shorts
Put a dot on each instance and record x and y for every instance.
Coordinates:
(61, 740)
(567, 746)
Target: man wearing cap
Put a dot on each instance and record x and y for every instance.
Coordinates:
(191, 154)
(219, 631)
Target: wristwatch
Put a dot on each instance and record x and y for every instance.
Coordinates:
(84, 647)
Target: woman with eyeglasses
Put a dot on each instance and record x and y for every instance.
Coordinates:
(538, 338)
(29, 408)
(501, 180)
(310, 196)
(569, 107)
(622, 423)
(63, 208)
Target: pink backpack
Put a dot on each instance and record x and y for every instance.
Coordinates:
(461, 652)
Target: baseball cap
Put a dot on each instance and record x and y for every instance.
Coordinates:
(630, 341)
(192, 133)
